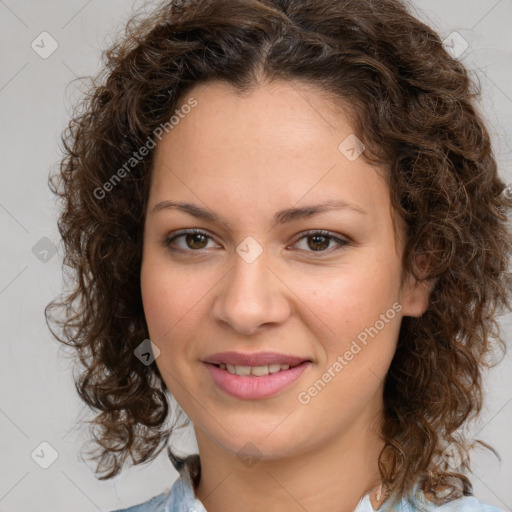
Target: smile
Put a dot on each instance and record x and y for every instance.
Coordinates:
(254, 371)
(255, 382)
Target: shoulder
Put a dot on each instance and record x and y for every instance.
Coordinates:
(154, 504)
(179, 498)
(468, 504)
(464, 504)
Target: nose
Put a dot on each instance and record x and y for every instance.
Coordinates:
(250, 296)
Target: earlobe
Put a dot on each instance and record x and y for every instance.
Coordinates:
(415, 297)
(416, 294)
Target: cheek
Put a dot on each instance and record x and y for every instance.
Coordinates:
(169, 312)
(156, 300)
(162, 297)
(359, 347)
(356, 297)
(173, 298)
(362, 311)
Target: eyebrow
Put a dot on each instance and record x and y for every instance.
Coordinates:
(280, 217)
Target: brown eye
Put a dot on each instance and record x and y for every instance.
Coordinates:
(195, 240)
(319, 241)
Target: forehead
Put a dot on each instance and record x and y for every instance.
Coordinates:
(277, 113)
(277, 146)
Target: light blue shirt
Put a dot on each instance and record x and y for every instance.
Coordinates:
(181, 498)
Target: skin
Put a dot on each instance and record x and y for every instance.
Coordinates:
(245, 159)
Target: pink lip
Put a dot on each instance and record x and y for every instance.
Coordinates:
(250, 387)
(253, 359)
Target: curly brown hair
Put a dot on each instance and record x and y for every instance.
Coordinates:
(411, 104)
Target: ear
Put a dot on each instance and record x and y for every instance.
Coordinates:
(416, 294)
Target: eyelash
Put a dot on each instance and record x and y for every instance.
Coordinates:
(307, 234)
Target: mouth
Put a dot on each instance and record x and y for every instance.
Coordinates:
(256, 371)
(256, 382)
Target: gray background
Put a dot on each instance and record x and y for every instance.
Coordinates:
(38, 402)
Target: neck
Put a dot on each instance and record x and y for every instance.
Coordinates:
(334, 477)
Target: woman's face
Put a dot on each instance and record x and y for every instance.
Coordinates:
(255, 281)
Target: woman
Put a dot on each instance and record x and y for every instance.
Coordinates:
(286, 216)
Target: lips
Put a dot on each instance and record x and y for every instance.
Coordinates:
(254, 359)
(251, 387)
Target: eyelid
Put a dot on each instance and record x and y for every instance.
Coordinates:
(182, 232)
(340, 240)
